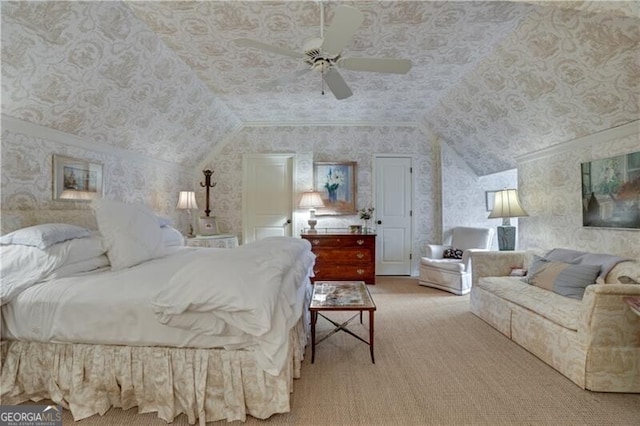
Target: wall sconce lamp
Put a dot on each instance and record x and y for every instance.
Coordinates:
(311, 200)
(187, 201)
(506, 205)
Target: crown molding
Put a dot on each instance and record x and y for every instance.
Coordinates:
(618, 132)
(333, 124)
(39, 131)
(256, 124)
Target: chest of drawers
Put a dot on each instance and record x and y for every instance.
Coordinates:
(344, 256)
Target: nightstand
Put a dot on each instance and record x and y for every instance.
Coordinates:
(216, 241)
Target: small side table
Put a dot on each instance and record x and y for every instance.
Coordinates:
(341, 296)
(215, 241)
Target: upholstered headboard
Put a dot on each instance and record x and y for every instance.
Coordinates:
(10, 220)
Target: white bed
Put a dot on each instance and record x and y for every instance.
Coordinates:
(211, 333)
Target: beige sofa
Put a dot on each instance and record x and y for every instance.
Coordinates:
(594, 341)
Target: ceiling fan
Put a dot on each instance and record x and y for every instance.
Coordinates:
(324, 54)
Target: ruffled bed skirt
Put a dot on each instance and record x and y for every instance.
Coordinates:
(205, 384)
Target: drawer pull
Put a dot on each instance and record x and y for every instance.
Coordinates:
(360, 271)
(360, 242)
(315, 242)
(359, 255)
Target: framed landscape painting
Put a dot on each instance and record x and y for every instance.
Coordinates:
(336, 182)
(75, 179)
(611, 192)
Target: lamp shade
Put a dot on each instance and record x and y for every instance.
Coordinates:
(187, 200)
(507, 204)
(311, 200)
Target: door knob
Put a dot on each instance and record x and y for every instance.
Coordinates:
(288, 222)
(379, 222)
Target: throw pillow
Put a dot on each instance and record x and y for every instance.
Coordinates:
(606, 261)
(565, 279)
(452, 253)
(131, 232)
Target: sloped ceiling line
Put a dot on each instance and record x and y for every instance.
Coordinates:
(94, 70)
(561, 75)
(495, 80)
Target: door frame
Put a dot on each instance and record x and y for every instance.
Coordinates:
(413, 271)
(245, 160)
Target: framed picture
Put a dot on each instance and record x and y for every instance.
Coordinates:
(75, 179)
(489, 198)
(337, 184)
(611, 192)
(208, 225)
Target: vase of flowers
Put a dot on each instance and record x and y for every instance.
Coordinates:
(366, 215)
(332, 183)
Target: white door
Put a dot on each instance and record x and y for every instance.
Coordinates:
(393, 211)
(267, 196)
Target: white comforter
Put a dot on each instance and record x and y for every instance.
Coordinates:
(23, 266)
(252, 289)
(248, 297)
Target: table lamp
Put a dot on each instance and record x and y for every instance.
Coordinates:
(311, 200)
(187, 201)
(506, 205)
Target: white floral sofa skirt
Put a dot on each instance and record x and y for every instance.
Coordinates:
(595, 341)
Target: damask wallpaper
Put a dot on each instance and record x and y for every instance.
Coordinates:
(93, 70)
(27, 151)
(167, 79)
(548, 82)
(328, 143)
(463, 194)
(549, 185)
(550, 190)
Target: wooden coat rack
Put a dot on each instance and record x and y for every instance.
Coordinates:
(207, 184)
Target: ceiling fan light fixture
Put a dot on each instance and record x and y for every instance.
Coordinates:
(324, 54)
(322, 65)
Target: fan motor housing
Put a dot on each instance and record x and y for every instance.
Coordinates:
(316, 58)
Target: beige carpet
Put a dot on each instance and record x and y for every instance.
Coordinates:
(436, 364)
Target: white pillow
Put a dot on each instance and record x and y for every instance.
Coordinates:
(171, 236)
(45, 235)
(131, 232)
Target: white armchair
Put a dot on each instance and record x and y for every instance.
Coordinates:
(453, 275)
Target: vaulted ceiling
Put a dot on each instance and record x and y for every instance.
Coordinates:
(494, 80)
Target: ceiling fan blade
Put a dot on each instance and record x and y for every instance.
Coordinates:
(285, 79)
(337, 84)
(346, 22)
(394, 66)
(246, 42)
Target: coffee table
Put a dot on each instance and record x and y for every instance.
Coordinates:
(341, 296)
